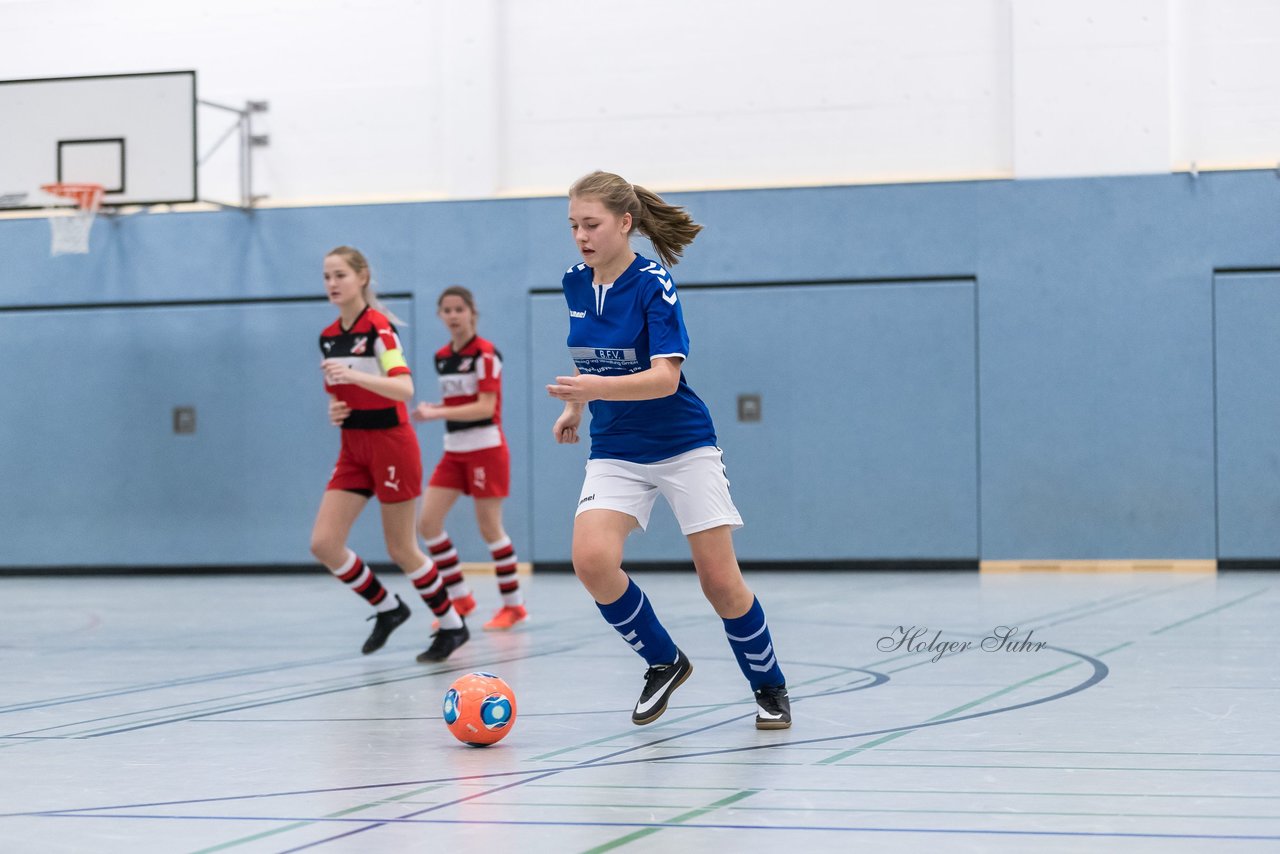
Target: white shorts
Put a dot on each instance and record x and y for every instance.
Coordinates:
(694, 484)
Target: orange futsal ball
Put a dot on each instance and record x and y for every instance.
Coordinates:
(479, 709)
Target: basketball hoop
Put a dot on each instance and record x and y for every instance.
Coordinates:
(71, 232)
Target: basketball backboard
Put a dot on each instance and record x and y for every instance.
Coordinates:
(135, 134)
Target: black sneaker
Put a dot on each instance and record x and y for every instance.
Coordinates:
(443, 643)
(385, 623)
(773, 708)
(659, 683)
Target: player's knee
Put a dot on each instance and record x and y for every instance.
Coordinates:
(430, 526)
(407, 557)
(326, 548)
(724, 590)
(591, 561)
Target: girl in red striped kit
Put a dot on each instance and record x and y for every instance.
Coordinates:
(368, 382)
(476, 461)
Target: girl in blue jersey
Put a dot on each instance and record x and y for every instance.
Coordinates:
(650, 435)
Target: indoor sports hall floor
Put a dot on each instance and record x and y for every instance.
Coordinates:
(234, 713)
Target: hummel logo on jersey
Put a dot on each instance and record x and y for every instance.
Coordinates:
(360, 345)
(601, 291)
(591, 497)
(665, 278)
(577, 314)
(667, 294)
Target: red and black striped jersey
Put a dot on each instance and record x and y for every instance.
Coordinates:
(463, 374)
(371, 346)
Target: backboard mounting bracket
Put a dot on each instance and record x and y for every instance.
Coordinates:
(247, 141)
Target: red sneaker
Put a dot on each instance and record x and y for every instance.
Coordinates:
(464, 605)
(507, 616)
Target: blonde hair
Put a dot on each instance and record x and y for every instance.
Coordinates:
(356, 261)
(668, 227)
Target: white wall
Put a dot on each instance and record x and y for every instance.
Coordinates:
(400, 99)
(1226, 73)
(1090, 87)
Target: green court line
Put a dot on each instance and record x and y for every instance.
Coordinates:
(1210, 611)
(680, 819)
(244, 840)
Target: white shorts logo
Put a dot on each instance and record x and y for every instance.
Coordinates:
(477, 477)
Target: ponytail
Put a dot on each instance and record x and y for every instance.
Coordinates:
(668, 227)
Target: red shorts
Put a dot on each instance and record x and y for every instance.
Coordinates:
(385, 463)
(480, 474)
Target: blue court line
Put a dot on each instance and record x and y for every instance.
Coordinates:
(1130, 598)
(367, 821)
(412, 819)
(1099, 673)
(421, 673)
(412, 815)
(195, 680)
(174, 683)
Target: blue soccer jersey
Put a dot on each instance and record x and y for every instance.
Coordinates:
(617, 329)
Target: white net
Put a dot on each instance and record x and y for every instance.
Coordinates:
(70, 229)
(71, 232)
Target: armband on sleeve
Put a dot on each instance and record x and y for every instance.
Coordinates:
(392, 362)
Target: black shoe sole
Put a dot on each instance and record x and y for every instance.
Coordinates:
(657, 713)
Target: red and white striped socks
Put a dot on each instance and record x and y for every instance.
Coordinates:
(445, 557)
(504, 567)
(360, 578)
(430, 586)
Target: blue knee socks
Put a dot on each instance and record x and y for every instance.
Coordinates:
(753, 647)
(634, 619)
